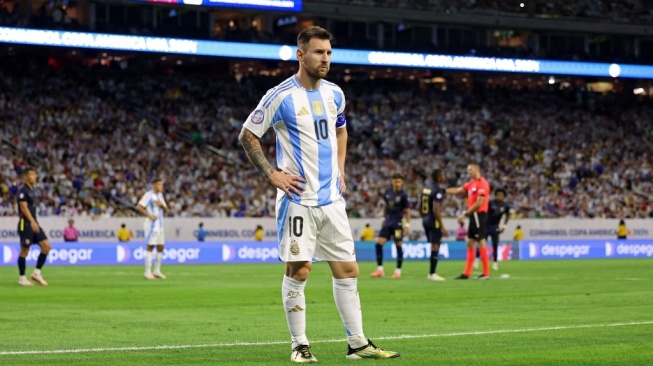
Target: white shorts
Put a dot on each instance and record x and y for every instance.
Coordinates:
(320, 232)
(154, 236)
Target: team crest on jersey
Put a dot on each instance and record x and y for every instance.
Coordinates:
(27, 241)
(318, 108)
(331, 106)
(257, 116)
(294, 247)
(398, 199)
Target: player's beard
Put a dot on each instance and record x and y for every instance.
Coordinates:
(318, 73)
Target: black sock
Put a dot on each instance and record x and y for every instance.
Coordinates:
(400, 256)
(478, 254)
(21, 265)
(41, 260)
(495, 246)
(379, 254)
(434, 260)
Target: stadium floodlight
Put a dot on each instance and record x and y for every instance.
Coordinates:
(161, 45)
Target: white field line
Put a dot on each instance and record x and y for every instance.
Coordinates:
(272, 343)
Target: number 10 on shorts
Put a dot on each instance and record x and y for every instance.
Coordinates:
(295, 226)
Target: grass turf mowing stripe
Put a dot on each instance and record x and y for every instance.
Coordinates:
(271, 343)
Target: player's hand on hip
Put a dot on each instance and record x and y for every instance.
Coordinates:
(290, 184)
(153, 217)
(35, 227)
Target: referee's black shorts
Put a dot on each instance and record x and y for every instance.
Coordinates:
(477, 226)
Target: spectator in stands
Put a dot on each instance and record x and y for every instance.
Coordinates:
(622, 230)
(461, 232)
(124, 234)
(518, 235)
(201, 232)
(70, 233)
(368, 233)
(259, 233)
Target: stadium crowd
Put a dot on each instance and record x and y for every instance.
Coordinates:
(619, 11)
(98, 135)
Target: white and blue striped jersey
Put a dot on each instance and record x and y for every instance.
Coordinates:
(305, 123)
(147, 201)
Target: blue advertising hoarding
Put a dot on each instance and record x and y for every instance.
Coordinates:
(63, 254)
(421, 250)
(112, 253)
(340, 56)
(585, 249)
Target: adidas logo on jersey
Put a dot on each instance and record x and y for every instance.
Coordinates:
(303, 112)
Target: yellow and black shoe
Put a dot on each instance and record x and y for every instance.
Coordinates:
(369, 351)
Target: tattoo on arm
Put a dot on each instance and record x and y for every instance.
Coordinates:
(254, 152)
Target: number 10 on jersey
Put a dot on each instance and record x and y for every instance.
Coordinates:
(321, 129)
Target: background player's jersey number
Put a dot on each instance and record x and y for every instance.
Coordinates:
(425, 205)
(321, 129)
(296, 227)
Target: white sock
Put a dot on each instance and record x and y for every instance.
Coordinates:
(345, 293)
(294, 302)
(398, 270)
(148, 262)
(22, 278)
(379, 268)
(37, 271)
(157, 262)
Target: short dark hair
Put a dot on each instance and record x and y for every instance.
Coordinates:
(201, 224)
(122, 225)
(311, 32)
(398, 176)
(436, 174)
(156, 180)
(28, 169)
(501, 190)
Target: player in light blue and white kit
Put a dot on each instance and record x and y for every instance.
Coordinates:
(152, 205)
(307, 115)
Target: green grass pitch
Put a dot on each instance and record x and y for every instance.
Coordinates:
(591, 312)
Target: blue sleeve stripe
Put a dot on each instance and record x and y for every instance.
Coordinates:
(276, 94)
(275, 91)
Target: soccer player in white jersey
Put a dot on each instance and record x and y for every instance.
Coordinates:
(307, 114)
(152, 205)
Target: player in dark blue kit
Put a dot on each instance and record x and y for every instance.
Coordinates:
(29, 230)
(396, 208)
(498, 209)
(429, 207)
